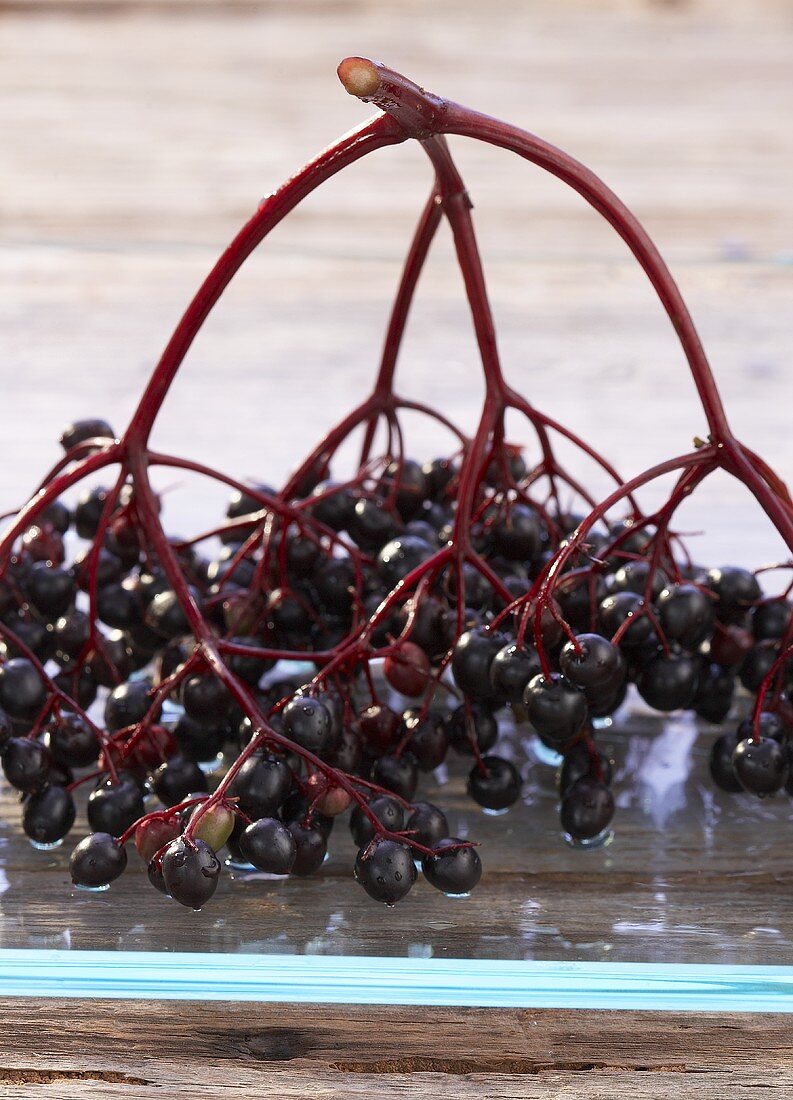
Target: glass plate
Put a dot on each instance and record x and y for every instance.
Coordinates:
(687, 907)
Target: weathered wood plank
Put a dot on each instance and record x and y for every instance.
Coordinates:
(312, 1051)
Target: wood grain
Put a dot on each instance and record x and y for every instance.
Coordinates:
(323, 1052)
(136, 137)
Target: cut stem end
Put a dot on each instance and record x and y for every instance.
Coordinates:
(359, 77)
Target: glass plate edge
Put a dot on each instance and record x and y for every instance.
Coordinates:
(336, 979)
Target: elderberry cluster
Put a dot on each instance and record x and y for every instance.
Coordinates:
(357, 653)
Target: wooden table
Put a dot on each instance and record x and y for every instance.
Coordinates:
(136, 137)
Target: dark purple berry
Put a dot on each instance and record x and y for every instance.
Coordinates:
(761, 766)
(190, 870)
(386, 871)
(453, 870)
(556, 708)
(427, 824)
(48, 815)
(97, 861)
(312, 847)
(587, 809)
(269, 846)
(26, 764)
(387, 811)
(495, 785)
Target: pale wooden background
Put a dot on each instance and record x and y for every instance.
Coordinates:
(134, 138)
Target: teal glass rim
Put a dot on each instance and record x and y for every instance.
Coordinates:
(334, 979)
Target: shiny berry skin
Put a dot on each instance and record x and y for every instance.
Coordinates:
(386, 871)
(686, 614)
(771, 619)
(81, 687)
(715, 693)
(191, 871)
(312, 846)
(379, 727)
(71, 741)
(154, 834)
(308, 723)
(387, 811)
(453, 872)
(50, 589)
(269, 846)
(113, 807)
(262, 785)
(438, 473)
(429, 740)
(720, 762)
(633, 577)
(205, 698)
(71, 634)
(88, 511)
(26, 764)
(214, 826)
(512, 668)
(80, 431)
(604, 701)
(244, 504)
(592, 662)
(736, 590)
(473, 655)
(48, 815)
(372, 525)
(581, 763)
(472, 724)
(401, 556)
(165, 615)
(769, 724)
(155, 876)
(197, 741)
(127, 704)
(249, 669)
(399, 774)
(22, 690)
(411, 486)
(587, 809)
(556, 708)
(761, 767)
(517, 536)
(407, 669)
(618, 607)
(729, 645)
(427, 824)
(669, 681)
(347, 756)
(757, 664)
(330, 798)
(178, 777)
(497, 786)
(296, 808)
(332, 508)
(97, 860)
